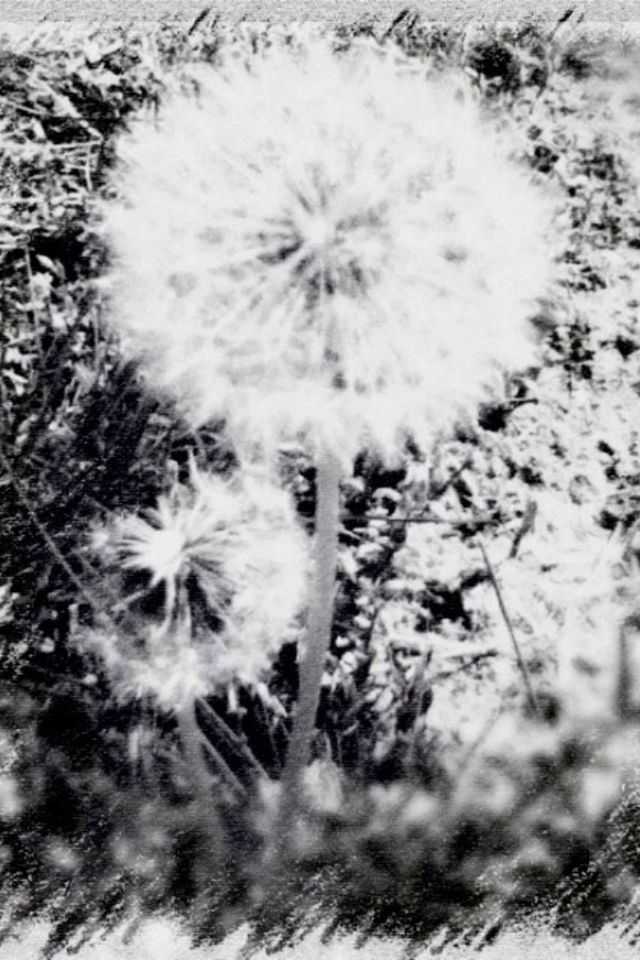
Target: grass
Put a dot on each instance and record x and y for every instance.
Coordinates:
(421, 660)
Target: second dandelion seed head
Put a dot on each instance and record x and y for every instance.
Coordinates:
(220, 571)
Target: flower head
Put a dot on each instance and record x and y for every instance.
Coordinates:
(231, 565)
(325, 246)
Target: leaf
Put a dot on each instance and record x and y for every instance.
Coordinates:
(348, 565)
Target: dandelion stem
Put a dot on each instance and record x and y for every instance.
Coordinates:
(319, 626)
(191, 740)
(279, 882)
(208, 856)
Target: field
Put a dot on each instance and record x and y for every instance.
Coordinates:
(318, 562)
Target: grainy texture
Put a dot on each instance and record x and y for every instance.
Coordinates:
(441, 799)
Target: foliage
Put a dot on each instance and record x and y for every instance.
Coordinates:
(433, 777)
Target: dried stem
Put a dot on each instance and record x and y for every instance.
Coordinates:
(531, 697)
(223, 767)
(471, 662)
(223, 728)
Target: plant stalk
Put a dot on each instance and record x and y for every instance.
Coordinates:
(318, 635)
(208, 856)
(190, 739)
(531, 697)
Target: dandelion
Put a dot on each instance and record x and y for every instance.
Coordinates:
(230, 564)
(327, 249)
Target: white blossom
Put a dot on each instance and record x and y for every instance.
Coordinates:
(333, 248)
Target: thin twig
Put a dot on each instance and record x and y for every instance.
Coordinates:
(473, 748)
(21, 109)
(128, 600)
(440, 489)
(430, 519)
(223, 727)
(200, 19)
(420, 518)
(223, 766)
(476, 658)
(507, 619)
(396, 22)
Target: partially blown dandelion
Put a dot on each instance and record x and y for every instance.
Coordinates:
(229, 565)
(226, 563)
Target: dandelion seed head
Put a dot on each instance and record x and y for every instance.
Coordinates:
(326, 248)
(233, 564)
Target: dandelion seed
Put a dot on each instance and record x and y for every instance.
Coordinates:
(232, 565)
(328, 248)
